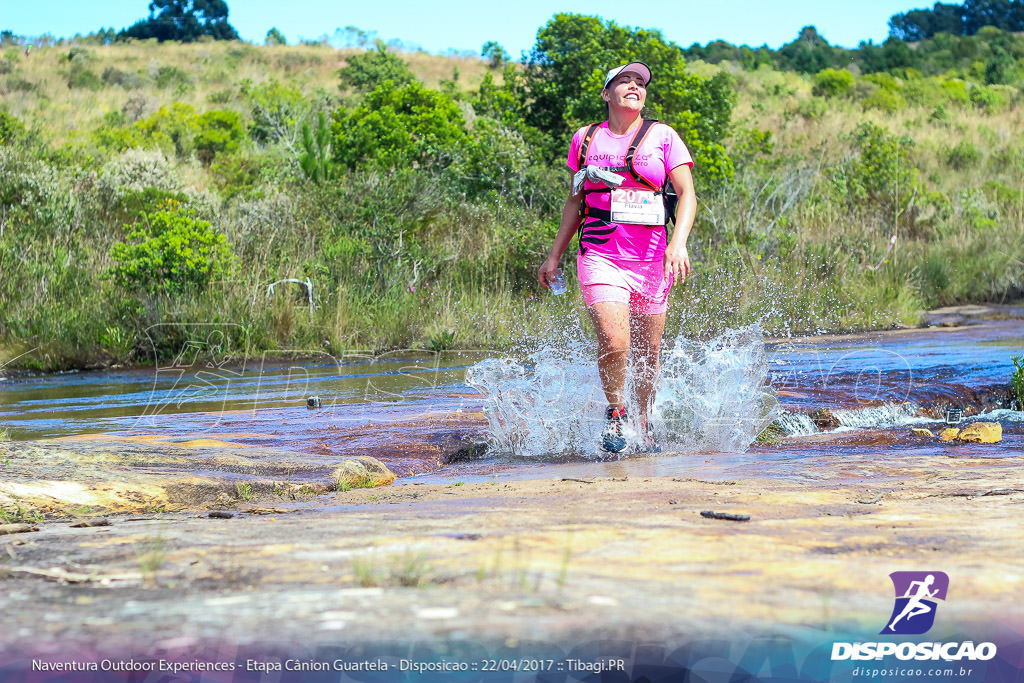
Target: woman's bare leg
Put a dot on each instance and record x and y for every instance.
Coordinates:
(611, 322)
(645, 344)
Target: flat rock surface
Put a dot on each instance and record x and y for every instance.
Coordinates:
(580, 549)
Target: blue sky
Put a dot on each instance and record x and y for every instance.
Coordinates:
(468, 24)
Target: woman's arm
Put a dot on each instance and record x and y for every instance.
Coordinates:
(570, 222)
(677, 259)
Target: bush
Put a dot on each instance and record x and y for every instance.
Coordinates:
(81, 77)
(26, 182)
(10, 128)
(833, 82)
(400, 126)
(16, 84)
(956, 90)
(810, 108)
(277, 112)
(366, 71)
(885, 100)
(170, 252)
(988, 98)
(168, 76)
(925, 92)
(125, 79)
(173, 128)
(219, 132)
(881, 179)
(134, 171)
(964, 155)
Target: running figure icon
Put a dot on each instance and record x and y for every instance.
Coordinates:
(917, 595)
(915, 606)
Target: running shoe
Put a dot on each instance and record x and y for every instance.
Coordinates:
(612, 439)
(649, 443)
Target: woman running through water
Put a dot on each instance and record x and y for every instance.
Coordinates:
(626, 264)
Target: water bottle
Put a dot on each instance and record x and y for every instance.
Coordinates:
(558, 282)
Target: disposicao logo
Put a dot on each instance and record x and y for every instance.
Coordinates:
(913, 613)
(916, 596)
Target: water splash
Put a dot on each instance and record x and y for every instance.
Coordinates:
(712, 397)
(796, 424)
(888, 415)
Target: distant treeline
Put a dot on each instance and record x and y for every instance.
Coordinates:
(958, 20)
(810, 52)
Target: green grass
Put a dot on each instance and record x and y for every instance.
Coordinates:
(243, 490)
(1017, 381)
(367, 482)
(150, 554)
(20, 515)
(403, 261)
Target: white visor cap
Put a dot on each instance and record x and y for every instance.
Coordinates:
(635, 67)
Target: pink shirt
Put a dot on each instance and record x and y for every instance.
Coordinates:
(661, 151)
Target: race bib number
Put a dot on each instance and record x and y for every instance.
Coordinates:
(638, 207)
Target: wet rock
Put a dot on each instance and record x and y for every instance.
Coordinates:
(362, 472)
(220, 514)
(982, 432)
(727, 516)
(948, 434)
(824, 420)
(118, 474)
(466, 453)
(86, 523)
(920, 431)
(970, 400)
(6, 529)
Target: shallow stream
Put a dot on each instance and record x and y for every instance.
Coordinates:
(415, 411)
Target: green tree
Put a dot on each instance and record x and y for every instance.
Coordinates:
(1000, 67)
(183, 20)
(565, 72)
(494, 54)
(400, 126)
(368, 70)
(275, 37)
(809, 53)
(919, 24)
(170, 252)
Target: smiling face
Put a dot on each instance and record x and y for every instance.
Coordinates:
(626, 91)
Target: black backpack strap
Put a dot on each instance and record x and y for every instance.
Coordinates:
(638, 139)
(585, 144)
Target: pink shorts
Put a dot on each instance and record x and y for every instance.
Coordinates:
(641, 284)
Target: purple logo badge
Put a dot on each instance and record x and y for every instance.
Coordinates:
(916, 596)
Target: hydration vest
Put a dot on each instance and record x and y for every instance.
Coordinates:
(602, 217)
